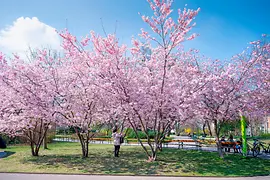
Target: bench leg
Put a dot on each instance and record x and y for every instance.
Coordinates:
(199, 146)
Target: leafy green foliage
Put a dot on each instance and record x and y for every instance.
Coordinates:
(13, 140)
(69, 130)
(231, 126)
(141, 134)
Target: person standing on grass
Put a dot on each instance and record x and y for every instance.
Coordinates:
(116, 136)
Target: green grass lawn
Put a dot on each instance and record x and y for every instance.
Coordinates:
(66, 158)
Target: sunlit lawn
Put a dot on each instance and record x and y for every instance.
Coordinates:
(66, 158)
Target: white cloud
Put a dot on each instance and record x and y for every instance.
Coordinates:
(28, 32)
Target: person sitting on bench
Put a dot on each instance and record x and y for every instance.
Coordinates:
(230, 145)
(223, 140)
(238, 146)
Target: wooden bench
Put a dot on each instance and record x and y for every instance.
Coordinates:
(207, 141)
(229, 145)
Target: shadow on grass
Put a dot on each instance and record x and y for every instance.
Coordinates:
(209, 163)
(100, 162)
(132, 161)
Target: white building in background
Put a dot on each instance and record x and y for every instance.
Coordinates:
(248, 131)
(265, 127)
(258, 127)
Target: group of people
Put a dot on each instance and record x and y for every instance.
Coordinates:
(235, 145)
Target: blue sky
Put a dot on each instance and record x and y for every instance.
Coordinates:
(225, 27)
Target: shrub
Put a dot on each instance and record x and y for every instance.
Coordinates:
(69, 130)
(141, 134)
(106, 132)
(14, 140)
(132, 134)
(50, 136)
(265, 136)
(151, 134)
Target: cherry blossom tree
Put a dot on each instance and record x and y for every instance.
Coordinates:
(150, 86)
(240, 86)
(169, 79)
(79, 102)
(27, 98)
(149, 92)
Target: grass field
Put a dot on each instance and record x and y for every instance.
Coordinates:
(66, 158)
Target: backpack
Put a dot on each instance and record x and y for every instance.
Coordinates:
(121, 139)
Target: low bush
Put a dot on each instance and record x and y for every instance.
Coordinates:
(141, 134)
(265, 136)
(13, 140)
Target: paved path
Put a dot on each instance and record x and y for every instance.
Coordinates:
(214, 148)
(187, 146)
(7, 176)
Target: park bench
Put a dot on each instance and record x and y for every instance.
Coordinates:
(207, 141)
(229, 145)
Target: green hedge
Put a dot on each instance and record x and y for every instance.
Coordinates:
(69, 130)
(131, 134)
(262, 136)
(265, 136)
(13, 140)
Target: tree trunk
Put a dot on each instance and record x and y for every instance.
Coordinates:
(204, 133)
(177, 129)
(138, 138)
(36, 137)
(33, 149)
(34, 153)
(159, 146)
(209, 128)
(84, 144)
(45, 142)
(37, 149)
(219, 149)
(153, 155)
